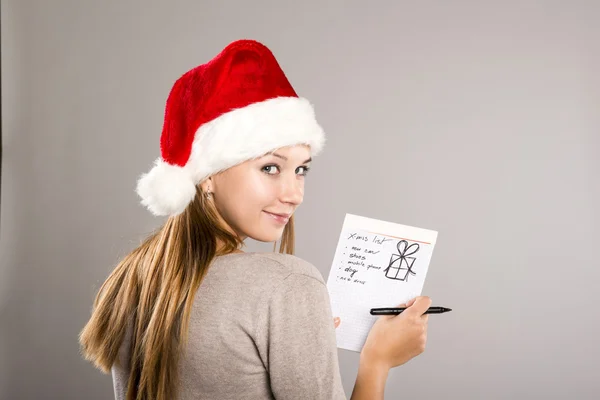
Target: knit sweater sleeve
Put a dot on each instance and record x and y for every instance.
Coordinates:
(297, 338)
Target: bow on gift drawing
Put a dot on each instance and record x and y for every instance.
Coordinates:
(405, 264)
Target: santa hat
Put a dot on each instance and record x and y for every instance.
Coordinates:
(236, 107)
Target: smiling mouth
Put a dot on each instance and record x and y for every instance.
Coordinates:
(279, 217)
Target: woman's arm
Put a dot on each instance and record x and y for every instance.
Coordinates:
(296, 340)
(370, 381)
(392, 341)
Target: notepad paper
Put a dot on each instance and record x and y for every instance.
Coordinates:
(376, 264)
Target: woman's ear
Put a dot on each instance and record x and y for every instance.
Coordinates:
(206, 185)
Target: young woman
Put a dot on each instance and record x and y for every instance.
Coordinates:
(188, 314)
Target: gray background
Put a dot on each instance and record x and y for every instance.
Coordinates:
(477, 119)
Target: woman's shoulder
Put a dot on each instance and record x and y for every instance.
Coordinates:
(294, 264)
(277, 266)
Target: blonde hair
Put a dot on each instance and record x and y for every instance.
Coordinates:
(153, 288)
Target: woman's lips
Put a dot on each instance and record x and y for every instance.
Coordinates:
(282, 219)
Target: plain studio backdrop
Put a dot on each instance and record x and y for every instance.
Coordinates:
(478, 119)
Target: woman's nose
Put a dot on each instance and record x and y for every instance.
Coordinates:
(292, 190)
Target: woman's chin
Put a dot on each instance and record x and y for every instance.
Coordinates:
(268, 234)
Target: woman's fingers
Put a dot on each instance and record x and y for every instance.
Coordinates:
(336, 321)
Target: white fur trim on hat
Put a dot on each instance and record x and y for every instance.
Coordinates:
(232, 138)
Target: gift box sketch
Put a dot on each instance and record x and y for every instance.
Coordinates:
(401, 264)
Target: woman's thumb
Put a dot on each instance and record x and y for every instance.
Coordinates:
(410, 302)
(406, 305)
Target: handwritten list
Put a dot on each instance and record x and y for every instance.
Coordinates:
(376, 264)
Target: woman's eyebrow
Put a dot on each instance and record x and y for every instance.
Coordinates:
(285, 158)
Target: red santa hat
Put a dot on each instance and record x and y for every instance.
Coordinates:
(236, 107)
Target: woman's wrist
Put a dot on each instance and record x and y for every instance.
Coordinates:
(373, 367)
(370, 380)
(373, 363)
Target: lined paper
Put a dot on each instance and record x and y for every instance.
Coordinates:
(376, 264)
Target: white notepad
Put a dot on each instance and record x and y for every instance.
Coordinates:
(376, 264)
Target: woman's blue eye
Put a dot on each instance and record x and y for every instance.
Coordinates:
(306, 169)
(269, 166)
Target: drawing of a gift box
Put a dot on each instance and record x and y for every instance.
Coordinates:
(401, 264)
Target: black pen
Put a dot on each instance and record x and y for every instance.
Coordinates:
(396, 311)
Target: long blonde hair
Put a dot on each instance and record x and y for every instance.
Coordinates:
(154, 288)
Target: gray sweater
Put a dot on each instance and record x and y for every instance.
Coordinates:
(261, 328)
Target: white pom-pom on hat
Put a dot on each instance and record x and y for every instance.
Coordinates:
(167, 189)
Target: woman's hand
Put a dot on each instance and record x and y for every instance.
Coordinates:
(395, 339)
(336, 321)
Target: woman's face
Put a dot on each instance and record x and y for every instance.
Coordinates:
(247, 195)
